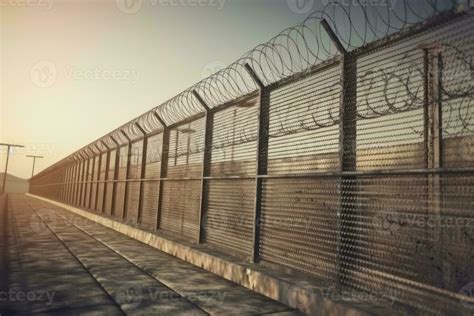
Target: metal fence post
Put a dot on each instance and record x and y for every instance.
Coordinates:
(91, 180)
(77, 180)
(67, 177)
(116, 170)
(88, 180)
(127, 174)
(71, 180)
(206, 163)
(347, 159)
(68, 181)
(142, 172)
(62, 189)
(106, 176)
(98, 177)
(83, 184)
(261, 156)
(433, 138)
(165, 145)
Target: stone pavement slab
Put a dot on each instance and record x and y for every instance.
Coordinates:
(88, 268)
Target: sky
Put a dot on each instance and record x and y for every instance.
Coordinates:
(73, 70)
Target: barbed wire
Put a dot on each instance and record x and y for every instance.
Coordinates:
(299, 48)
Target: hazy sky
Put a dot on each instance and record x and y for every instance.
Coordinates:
(71, 71)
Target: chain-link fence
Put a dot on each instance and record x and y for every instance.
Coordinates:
(342, 150)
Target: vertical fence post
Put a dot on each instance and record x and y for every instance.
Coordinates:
(106, 176)
(206, 163)
(116, 170)
(165, 146)
(142, 172)
(127, 174)
(68, 181)
(64, 171)
(89, 206)
(80, 163)
(76, 180)
(347, 159)
(433, 137)
(98, 177)
(88, 179)
(261, 157)
(85, 167)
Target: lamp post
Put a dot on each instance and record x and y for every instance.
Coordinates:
(34, 160)
(6, 165)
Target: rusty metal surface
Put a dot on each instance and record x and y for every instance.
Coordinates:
(356, 172)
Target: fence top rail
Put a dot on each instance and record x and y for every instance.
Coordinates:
(293, 53)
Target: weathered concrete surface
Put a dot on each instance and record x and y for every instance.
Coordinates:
(299, 294)
(62, 263)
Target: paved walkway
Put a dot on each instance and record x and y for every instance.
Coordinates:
(61, 263)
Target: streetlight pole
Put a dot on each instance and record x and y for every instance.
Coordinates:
(34, 160)
(6, 165)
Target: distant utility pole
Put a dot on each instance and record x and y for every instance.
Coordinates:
(6, 165)
(34, 160)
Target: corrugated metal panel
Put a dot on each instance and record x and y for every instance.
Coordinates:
(299, 226)
(186, 150)
(228, 219)
(109, 186)
(120, 185)
(180, 212)
(304, 125)
(181, 198)
(101, 190)
(134, 186)
(229, 203)
(151, 188)
(88, 185)
(299, 229)
(95, 178)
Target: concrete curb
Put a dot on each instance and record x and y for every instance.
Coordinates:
(297, 294)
